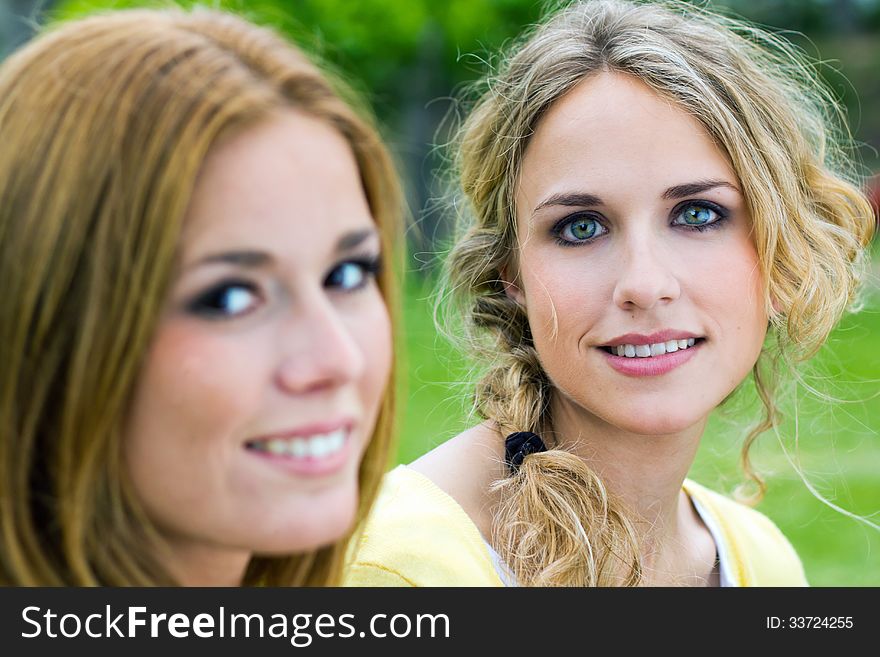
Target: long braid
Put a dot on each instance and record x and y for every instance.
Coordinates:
(555, 524)
(764, 105)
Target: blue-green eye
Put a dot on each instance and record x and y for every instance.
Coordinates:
(578, 229)
(353, 274)
(229, 299)
(699, 215)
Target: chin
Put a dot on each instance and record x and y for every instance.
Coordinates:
(310, 524)
(661, 424)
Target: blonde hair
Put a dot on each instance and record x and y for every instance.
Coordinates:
(761, 101)
(105, 123)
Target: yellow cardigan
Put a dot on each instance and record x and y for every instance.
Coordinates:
(417, 535)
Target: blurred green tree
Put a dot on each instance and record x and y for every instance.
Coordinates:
(411, 58)
(405, 57)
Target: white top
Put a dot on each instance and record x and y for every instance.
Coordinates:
(720, 549)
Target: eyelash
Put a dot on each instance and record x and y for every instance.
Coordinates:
(207, 304)
(560, 226)
(371, 266)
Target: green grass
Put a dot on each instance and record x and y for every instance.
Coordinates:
(838, 446)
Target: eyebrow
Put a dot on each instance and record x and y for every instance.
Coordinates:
(572, 199)
(355, 238)
(689, 189)
(257, 259)
(583, 199)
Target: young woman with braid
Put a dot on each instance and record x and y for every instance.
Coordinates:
(196, 384)
(658, 205)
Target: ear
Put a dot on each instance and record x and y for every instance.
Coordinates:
(776, 306)
(511, 285)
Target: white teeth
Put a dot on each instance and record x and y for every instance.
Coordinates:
(315, 447)
(649, 350)
(276, 446)
(337, 440)
(299, 449)
(318, 446)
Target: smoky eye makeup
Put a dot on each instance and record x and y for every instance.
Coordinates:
(236, 297)
(354, 273)
(578, 228)
(227, 299)
(584, 227)
(700, 215)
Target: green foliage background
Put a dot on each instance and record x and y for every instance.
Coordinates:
(408, 57)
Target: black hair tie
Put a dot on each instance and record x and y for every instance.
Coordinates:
(519, 445)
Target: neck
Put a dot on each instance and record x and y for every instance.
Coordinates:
(643, 472)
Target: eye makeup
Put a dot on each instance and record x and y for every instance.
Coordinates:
(354, 273)
(720, 212)
(591, 225)
(227, 299)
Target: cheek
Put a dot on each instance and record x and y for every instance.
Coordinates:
(732, 289)
(371, 329)
(197, 376)
(194, 396)
(563, 303)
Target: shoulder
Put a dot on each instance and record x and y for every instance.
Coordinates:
(466, 464)
(758, 552)
(417, 535)
(465, 467)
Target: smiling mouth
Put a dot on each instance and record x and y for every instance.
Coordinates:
(652, 350)
(317, 446)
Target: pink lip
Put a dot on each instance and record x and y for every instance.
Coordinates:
(660, 336)
(654, 365)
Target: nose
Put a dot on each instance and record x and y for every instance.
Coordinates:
(646, 275)
(318, 349)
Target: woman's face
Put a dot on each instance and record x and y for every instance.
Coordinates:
(635, 237)
(266, 373)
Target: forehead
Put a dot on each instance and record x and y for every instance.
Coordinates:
(288, 182)
(612, 132)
